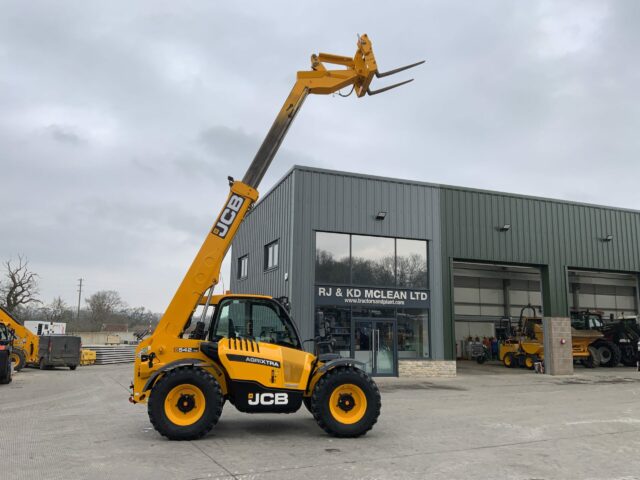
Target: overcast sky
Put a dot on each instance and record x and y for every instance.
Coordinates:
(120, 121)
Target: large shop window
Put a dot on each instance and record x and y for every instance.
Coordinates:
(412, 329)
(337, 322)
(413, 333)
(372, 260)
(343, 259)
(411, 263)
(332, 258)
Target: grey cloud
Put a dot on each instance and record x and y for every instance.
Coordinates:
(64, 134)
(120, 121)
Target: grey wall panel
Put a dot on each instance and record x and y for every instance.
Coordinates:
(342, 202)
(270, 220)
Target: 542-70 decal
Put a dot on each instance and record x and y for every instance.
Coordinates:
(186, 349)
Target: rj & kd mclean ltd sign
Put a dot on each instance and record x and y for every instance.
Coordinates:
(343, 295)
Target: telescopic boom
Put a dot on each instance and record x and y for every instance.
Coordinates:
(204, 272)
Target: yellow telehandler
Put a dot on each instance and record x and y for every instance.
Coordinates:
(25, 345)
(245, 348)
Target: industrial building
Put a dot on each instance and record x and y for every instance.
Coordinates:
(402, 271)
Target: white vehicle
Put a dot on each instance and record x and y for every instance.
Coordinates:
(46, 328)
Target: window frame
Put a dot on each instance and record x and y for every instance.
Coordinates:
(243, 259)
(267, 249)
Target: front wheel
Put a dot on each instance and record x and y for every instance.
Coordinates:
(346, 402)
(18, 359)
(185, 403)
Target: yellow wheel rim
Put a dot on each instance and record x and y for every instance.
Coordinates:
(528, 362)
(348, 404)
(507, 360)
(184, 405)
(15, 359)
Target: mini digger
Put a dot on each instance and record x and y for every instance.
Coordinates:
(208, 349)
(526, 347)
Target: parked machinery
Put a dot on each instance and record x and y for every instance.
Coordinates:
(25, 345)
(6, 348)
(245, 348)
(621, 336)
(527, 347)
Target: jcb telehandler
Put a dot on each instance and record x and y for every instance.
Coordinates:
(25, 345)
(245, 348)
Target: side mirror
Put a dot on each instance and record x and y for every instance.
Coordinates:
(284, 302)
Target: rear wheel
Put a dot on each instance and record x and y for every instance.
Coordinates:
(43, 364)
(609, 353)
(346, 402)
(628, 356)
(73, 367)
(593, 360)
(530, 362)
(509, 360)
(18, 359)
(185, 404)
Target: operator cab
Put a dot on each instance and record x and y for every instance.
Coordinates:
(261, 319)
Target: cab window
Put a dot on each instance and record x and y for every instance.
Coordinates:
(4, 333)
(260, 320)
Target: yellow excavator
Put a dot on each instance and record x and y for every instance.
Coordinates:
(246, 349)
(25, 345)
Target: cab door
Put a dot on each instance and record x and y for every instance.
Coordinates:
(262, 345)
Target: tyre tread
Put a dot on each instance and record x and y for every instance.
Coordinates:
(321, 385)
(206, 376)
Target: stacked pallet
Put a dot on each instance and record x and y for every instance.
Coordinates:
(107, 354)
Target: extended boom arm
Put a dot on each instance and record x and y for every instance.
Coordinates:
(204, 272)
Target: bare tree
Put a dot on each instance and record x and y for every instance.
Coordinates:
(104, 305)
(57, 310)
(20, 285)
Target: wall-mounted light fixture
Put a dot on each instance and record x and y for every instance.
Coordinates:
(505, 228)
(608, 238)
(381, 216)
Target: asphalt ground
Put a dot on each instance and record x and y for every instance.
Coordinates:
(488, 422)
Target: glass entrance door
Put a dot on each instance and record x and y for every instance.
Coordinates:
(374, 344)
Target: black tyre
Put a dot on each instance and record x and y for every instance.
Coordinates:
(307, 403)
(5, 377)
(530, 362)
(18, 359)
(73, 367)
(346, 402)
(42, 364)
(185, 403)
(593, 360)
(509, 360)
(628, 358)
(481, 358)
(609, 353)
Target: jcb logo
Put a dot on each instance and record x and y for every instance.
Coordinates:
(227, 216)
(268, 398)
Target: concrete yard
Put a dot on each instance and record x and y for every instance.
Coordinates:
(488, 422)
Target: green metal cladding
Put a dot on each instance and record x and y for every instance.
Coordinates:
(550, 234)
